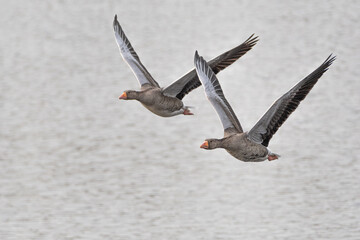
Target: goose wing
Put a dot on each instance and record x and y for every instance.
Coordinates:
(190, 81)
(131, 58)
(216, 96)
(270, 122)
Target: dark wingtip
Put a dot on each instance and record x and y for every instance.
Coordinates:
(252, 40)
(196, 56)
(329, 60)
(115, 20)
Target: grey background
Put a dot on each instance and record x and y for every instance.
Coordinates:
(77, 163)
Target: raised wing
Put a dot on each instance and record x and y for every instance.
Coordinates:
(267, 126)
(131, 58)
(190, 81)
(216, 96)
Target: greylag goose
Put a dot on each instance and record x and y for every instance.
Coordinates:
(167, 102)
(252, 146)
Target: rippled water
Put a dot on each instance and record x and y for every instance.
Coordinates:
(76, 163)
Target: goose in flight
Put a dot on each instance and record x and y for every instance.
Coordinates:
(167, 102)
(252, 146)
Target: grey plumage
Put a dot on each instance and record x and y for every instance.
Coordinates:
(131, 58)
(267, 126)
(175, 92)
(252, 146)
(190, 81)
(215, 94)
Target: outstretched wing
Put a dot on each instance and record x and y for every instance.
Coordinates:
(131, 58)
(267, 126)
(215, 95)
(190, 81)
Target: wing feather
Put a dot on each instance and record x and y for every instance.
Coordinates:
(215, 95)
(190, 81)
(270, 122)
(131, 58)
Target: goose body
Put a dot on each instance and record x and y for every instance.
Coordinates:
(240, 147)
(167, 102)
(155, 101)
(252, 146)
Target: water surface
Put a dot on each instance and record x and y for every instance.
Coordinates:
(76, 163)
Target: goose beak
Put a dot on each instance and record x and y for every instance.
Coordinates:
(205, 145)
(123, 96)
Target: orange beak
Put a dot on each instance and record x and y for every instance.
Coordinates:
(205, 145)
(123, 96)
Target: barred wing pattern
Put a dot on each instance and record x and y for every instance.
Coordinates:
(226, 59)
(215, 94)
(131, 58)
(190, 81)
(270, 122)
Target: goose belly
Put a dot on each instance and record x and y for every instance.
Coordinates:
(165, 109)
(246, 156)
(248, 151)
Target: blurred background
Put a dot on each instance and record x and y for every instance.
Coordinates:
(77, 163)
